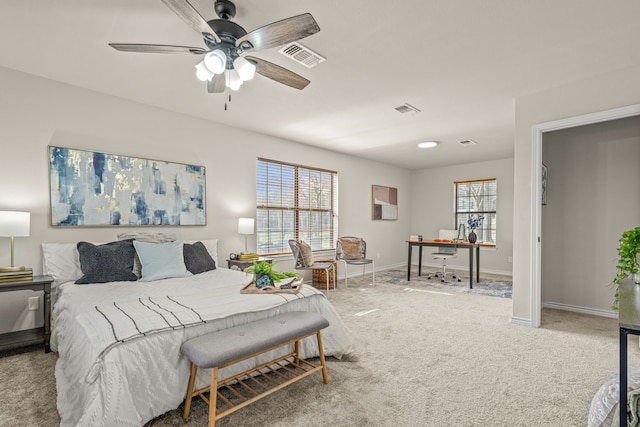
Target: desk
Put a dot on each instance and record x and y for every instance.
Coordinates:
(36, 335)
(629, 323)
(421, 243)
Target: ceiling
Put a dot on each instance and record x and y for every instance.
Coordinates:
(461, 62)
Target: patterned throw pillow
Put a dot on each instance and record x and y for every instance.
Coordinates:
(306, 254)
(351, 248)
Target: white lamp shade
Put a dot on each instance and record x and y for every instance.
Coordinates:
(14, 224)
(203, 73)
(233, 80)
(246, 70)
(245, 225)
(216, 61)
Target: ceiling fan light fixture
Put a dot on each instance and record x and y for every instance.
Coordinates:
(202, 72)
(216, 61)
(233, 80)
(246, 70)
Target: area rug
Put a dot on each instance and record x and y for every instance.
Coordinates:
(490, 284)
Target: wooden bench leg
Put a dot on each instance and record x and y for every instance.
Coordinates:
(325, 377)
(189, 396)
(213, 397)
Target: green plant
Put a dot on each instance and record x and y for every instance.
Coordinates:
(627, 259)
(264, 267)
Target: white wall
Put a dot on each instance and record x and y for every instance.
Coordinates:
(597, 93)
(433, 209)
(593, 196)
(38, 112)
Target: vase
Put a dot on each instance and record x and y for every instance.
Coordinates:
(472, 236)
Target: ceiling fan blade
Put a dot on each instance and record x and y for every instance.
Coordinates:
(190, 15)
(279, 33)
(156, 48)
(217, 84)
(278, 73)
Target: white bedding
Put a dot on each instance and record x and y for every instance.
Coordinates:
(104, 382)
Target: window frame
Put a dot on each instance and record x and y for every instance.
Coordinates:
(485, 228)
(319, 238)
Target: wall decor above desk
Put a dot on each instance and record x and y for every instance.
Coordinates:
(92, 189)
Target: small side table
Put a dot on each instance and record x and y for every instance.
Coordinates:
(243, 265)
(35, 335)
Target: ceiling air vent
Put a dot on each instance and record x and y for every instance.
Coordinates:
(302, 55)
(407, 108)
(466, 142)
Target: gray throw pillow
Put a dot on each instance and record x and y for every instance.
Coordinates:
(197, 258)
(111, 262)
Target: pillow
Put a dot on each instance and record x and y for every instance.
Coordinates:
(211, 245)
(111, 262)
(61, 261)
(197, 258)
(149, 237)
(160, 260)
(306, 254)
(351, 249)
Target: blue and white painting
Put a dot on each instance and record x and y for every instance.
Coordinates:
(97, 189)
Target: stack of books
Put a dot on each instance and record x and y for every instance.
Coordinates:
(247, 257)
(10, 276)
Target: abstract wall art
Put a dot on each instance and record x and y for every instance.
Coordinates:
(384, 203)
(97, 189)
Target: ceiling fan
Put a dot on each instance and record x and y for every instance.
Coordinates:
(224, 64)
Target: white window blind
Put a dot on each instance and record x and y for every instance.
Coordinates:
(295, 202)
(478, 197)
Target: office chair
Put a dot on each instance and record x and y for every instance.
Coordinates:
(444, 253)
(353, 251)
(303, 257)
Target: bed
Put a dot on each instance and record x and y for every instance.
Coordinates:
(119, 341)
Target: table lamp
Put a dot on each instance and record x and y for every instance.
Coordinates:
(245, 226)
(14, 224)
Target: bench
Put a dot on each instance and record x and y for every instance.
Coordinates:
(226, 347)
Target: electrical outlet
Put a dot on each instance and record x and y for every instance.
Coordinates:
(510, 259)
(34, 303)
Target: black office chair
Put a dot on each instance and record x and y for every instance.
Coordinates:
(303, 257)
(353, 251)
(444, 253)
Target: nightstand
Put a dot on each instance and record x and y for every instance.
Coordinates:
(36, 335)
(243, 265)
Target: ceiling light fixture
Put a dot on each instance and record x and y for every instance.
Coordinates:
(428, 144)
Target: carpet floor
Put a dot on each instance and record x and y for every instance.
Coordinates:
(424, 358)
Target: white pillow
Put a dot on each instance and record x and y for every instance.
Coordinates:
(62, 262)
(161, 260)
(211, 245)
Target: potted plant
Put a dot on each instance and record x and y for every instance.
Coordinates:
(264, 275)
(628, 262)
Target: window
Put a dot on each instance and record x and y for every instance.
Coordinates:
(295, 202)
(478, 198)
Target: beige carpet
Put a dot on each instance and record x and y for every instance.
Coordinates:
(425, 358)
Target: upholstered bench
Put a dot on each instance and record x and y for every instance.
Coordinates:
(229, 346)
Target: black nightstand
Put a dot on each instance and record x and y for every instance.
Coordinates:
(243, 265)
(36, 335)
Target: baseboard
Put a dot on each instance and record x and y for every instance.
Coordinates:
(521, 321)
(584, 310)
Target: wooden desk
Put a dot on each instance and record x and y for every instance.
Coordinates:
(36, 335)
(421, 243)
(629, 323)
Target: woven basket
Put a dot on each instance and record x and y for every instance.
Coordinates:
(319, 276)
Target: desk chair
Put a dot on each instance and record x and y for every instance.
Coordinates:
(444, 253)
(353, 251)
(303, 256)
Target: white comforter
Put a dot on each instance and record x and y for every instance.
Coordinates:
(128, 371)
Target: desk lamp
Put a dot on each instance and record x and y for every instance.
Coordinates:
(14, 224)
